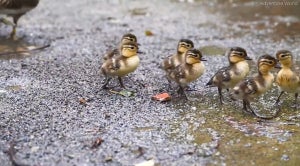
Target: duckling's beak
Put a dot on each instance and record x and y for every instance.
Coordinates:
(203, 59)
(248, 58)
(277, 66)
(140, 52)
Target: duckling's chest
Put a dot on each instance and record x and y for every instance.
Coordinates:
(128, 65)
(287, 80)
(195, 71)
(239, 72)
(265, 83)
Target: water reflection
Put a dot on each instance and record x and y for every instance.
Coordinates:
(17, 49)
(274, 19)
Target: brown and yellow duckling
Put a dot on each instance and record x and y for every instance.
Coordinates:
(171, 62)
(287, 80)
(121, 65)
(251, 88)
(15, 9)
(128, 37)
(228, 77)
(188, 71)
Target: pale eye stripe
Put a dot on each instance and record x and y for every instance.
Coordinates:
(237, 52)
(266, 61)
(128, 46)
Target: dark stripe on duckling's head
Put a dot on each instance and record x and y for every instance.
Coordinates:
(129, 37)
(187, 42)
(239, 51)
(184, 45)
(283, 54)
(195, 53)
(129, 44)
(266, 60)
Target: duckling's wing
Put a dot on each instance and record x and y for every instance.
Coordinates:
(222, 75)
(111, 54)
(248, 86)
(167, 63)
(177, 73)
(111, 64)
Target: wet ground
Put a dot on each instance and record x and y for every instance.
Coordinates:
(53, 112)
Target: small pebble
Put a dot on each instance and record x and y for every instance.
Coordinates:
(285, 157)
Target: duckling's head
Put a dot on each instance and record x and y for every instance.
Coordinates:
(265, 63)
(184, 45)
(194, 56)
(237, 54)
(129, 49)
(128, 37)
(285, 57)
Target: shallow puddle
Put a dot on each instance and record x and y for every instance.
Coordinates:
(17, 49)
(241, 138)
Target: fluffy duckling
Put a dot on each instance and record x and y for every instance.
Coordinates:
(116, 52)
(121, 65)
(171, 62)
(252, 87)
(189, 71)
(15, 9)
(228, 77)
(287, 80)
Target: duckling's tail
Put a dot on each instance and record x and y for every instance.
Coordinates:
(210, 83)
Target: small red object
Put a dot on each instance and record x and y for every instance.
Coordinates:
(162, 97)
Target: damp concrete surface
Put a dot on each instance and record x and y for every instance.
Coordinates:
(54, 112)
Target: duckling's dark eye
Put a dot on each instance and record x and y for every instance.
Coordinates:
(195, 55)
(188, 45)
(131, 39)
(131, 48)
(271, 62)
(283, 55)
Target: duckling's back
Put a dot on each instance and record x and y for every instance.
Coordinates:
(228, 77)
(171, 62)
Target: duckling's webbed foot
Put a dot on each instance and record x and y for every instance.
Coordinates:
(104, 86)
(121, 82)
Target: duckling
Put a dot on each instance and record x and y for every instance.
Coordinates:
(116, 52)
(228, 77)
(189, 71)
(250, 88)
(287, 80)
(171, 62)
(121, 65)
(15, 9)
